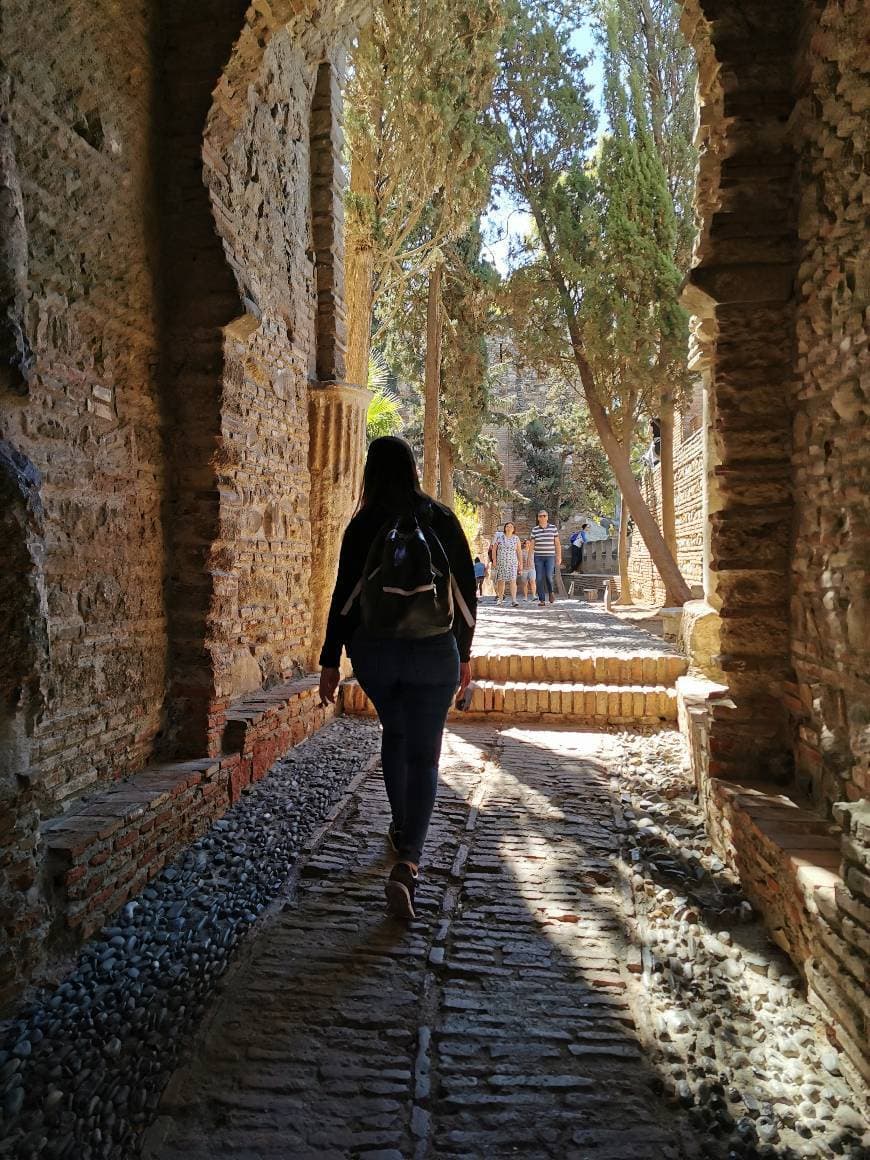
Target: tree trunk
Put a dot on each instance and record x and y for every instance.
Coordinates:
(617, 455)
(624, 580)
(432, 387)
(359, 265)
(666, 467)
(445, 471)
(644, 520)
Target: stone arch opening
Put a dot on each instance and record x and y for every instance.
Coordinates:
(200, 297)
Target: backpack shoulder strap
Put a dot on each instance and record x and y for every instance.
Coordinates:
(348, 604)
(376, 547)
(460, 601)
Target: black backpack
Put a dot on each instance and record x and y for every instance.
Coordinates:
(407, 589)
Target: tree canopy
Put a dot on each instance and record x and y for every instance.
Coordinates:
(598, 276)
(421, 75)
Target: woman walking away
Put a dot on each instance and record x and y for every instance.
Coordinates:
(403, 607)
(527, 574)
(548, 556)
(507, 563)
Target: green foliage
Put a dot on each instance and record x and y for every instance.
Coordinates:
(565, 469)
(421, 75)
(383, 416)
(469, 290)
(469, 518)
(601, 259)
(645, 52)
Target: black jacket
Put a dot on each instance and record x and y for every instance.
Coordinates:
(358, 538)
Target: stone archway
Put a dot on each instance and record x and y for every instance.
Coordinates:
(257, 505)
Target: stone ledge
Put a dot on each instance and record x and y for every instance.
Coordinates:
(790, 862)
(784, 855)
(104, 852)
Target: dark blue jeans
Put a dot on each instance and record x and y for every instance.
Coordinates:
(545, 570)
(411, 684)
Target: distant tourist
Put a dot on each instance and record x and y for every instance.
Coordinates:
(480, 570)
(507, 563)
(547, 555)
(578, 539)
(527, 570)
(403, 607)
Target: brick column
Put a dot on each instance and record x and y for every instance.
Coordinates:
(742, 287)
(337, 425)
(326, 144)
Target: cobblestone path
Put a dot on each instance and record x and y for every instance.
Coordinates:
(570, 625)
(500, 1023)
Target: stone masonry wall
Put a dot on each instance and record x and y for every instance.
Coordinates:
(646, 584)
(781, 297)
(88, 418)
(830, 575)
(831, 562)
(166, 300)
(264, 152)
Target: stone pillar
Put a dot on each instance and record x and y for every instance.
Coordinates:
(741, 290)
(337, 429)
(326, 144)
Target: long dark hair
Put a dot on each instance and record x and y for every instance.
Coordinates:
(390, 479)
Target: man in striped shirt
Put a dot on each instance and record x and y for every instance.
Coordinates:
(548, 556)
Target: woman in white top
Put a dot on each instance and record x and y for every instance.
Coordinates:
(507, 563)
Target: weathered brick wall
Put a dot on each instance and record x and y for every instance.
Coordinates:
(646, 584)
(22, 663)
(781, 296)
(830, 586)
(830, 575)
(277, 205)
(170, 284)
(80, 114)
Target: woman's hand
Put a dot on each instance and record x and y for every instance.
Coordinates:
(329, 679)
(464, 676)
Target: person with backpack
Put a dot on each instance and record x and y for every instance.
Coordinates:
(404, 608)
(578, 539)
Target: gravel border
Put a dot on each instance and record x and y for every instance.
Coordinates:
(83, 1065)
(729, 1026)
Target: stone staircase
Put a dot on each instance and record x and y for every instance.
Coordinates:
(589, 688)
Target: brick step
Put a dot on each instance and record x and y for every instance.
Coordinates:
(584, 669)
(552, 700)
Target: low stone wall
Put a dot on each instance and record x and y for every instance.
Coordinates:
(600, 557)
(105, 851)
(646, 584)
(806, 876)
